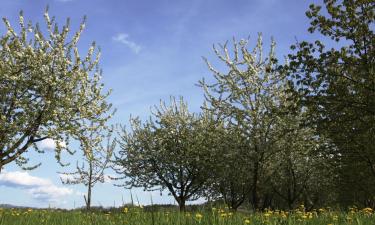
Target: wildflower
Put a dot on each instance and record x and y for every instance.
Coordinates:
(367, 210)
(198, 216)
(126, 210)
(247, 221)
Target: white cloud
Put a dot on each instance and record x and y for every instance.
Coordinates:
(123, 38)
(39, 188)
(22, 179)
(50, 193)
(49, 144)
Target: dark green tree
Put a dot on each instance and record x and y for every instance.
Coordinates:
(337, 85)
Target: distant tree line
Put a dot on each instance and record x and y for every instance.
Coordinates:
(269, 134)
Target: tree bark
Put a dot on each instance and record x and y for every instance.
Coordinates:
(254, 192)
(88, 200)
(182, 204)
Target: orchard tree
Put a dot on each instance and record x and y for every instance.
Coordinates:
(337, 85)
(229, 180)
(298, 162)
(96, 159)
(47, 89)
(248, 96)
(168, 151)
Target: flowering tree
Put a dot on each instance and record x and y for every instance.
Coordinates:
(168, 152)
(247, 97)
(47, 89)
(96, 159)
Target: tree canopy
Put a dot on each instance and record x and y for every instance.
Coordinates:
(169, 151)
(47, 89)
(337, 85)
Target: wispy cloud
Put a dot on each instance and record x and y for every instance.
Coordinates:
(39, 188)
(49, 144)
(123, 38)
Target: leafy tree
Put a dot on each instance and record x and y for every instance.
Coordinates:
(169, 151)
(47, 89)
(297, 163)
(247, 96)
(337, 85)
(96, 159)
(229, 180)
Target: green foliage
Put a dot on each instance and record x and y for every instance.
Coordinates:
(337, 85)
(47, 89)
(229, 179)
(169, 151)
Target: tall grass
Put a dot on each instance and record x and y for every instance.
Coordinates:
(137, 216)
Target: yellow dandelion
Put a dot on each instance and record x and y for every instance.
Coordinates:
(367, 210)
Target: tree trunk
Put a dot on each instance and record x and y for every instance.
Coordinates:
(182, 204)
(254, 192)
(88, 200)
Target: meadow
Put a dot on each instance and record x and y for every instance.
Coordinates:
(215, 216)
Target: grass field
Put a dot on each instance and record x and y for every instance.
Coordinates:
(137, 216)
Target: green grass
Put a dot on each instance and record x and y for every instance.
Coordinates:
(137, 216)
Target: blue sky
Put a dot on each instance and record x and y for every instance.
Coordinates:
(150, 51)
